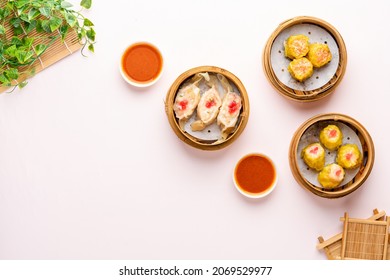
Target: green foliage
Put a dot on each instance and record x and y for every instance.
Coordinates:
(51, 19)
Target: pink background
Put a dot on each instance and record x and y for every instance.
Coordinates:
(91, 169)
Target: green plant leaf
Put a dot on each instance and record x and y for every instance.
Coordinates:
(12, 73)
(45, 11)
(91, 34)
(40, 49)
(22, 84)
(2, 30)
(10, 51)
(55, 23)
(70, 19)
(86, 3)
(27, 42)
(33, 14)
(91, 48)
(20, 3)
(24, 17)
(46, 25)
(23, 56)
(4, 80)
(16, 41)
(15, 22)
(65, 5)
(64, 30)
(87, 22)
(30, 26)
(18, 30)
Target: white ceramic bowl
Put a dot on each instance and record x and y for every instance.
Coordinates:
(134, 82)
(268, 189)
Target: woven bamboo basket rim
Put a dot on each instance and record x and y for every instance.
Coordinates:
(312, 95)
(364, 171)
(191, 140)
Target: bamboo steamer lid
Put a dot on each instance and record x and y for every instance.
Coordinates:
(331, 80)
(195, 141)
(361, 173)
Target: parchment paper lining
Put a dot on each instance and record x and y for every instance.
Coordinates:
(321, 76)
(311, 135)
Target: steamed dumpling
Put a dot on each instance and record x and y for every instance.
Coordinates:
(229, 112)
(349, 156)
(186, 101)
(208, 109)
(296, 46)
(331, 176)
(314, 156)
(331, 137)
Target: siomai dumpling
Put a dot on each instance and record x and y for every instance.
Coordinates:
(349, 156)
(331, 176)
(319, 54)
(230, 109)
(331, 137)
(187, 99)
(314, 156)
(208, 109)
(300, 69)
(296, 46)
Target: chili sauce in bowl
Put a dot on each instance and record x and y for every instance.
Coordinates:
(141, 64)
(255, 175)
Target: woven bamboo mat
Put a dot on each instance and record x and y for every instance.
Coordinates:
(57, 50)
(334, 245)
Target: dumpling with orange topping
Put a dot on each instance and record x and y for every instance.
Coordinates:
(300, 69)
(319, 54)
(296, 46)
(314, 156)
(331, 176)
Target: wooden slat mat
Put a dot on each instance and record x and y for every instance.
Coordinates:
(55, 52)
(333, 246)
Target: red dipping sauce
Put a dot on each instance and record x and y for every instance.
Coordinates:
(141, 64)
(255, 175)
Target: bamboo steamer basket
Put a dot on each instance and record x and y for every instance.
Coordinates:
(299, 94)
(368, 153)
(190, 139)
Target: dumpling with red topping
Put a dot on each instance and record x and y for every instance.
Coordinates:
(208, 109)
(314, 156)
(331, 137)
(229, 112)
(349, 156)
(187, 99)
(331, 176)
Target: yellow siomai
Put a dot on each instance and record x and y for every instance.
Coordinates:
(296, 46)
(319, 54)
(331, 176)
(314, 156)
(349, 156)
(300, 69)
(331, 137)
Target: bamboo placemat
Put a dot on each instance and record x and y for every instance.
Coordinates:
(57, 50)
(366, 240)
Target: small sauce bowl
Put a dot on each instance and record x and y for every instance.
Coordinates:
(141, 64)
(255, 175)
